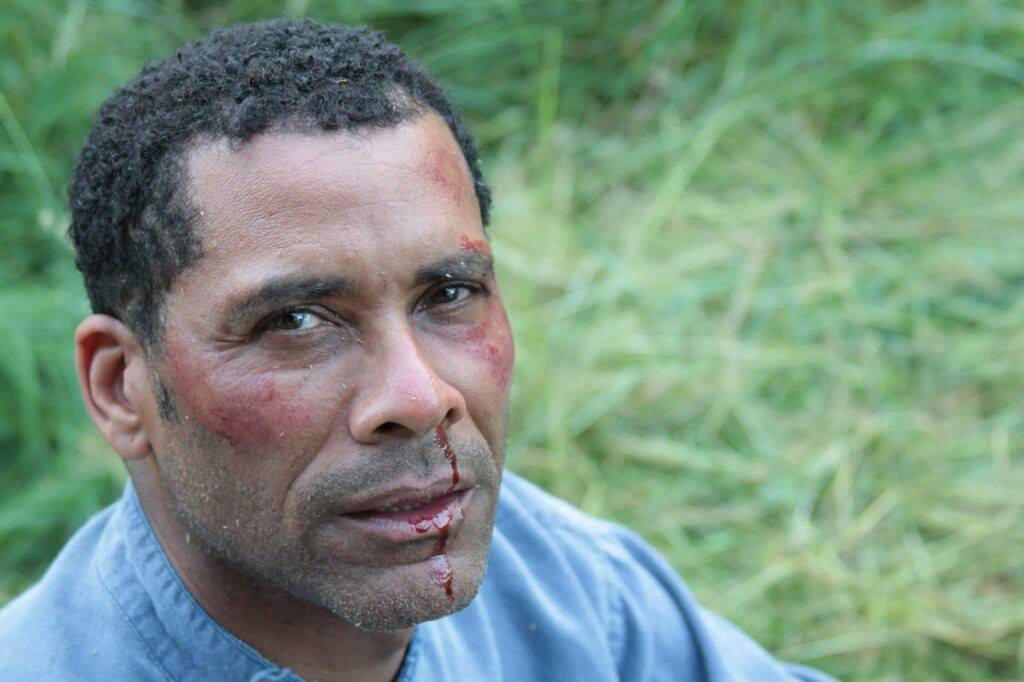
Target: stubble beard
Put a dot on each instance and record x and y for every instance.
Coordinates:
(233, 523)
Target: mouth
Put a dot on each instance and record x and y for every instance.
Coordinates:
(404, 515)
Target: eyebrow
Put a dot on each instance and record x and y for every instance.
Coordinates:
(279, 292)
(463, 265)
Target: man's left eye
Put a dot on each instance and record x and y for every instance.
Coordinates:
(452, 293)
(295, 320)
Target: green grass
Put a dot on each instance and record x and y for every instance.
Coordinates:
(764, 266)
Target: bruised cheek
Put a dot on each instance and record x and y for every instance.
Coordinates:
(245, 409)
(249, 413)
(491, 341)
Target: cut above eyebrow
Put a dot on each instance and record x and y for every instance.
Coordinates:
(279, 292)
(463, 265)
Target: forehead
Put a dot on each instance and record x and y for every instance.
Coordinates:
(292, 199)
(303, 168)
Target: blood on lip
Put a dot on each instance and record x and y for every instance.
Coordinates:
(437, 513)
(442, 521)
(413, 511)
(423, 520)
(440, 568)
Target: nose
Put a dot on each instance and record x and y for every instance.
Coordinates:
(402, 396)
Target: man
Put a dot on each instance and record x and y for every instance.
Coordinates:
(299, 350)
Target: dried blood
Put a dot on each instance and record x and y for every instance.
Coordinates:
(441, 574)
(466, 243)
(440, 568)
(449, 453)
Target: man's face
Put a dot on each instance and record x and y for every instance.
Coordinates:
(341, 328)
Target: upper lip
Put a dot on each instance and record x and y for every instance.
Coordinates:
(402, 496)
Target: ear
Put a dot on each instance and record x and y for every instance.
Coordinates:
(113, 376)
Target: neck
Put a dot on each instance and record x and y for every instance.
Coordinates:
(306, 638)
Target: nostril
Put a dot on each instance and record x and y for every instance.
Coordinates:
(391, 429)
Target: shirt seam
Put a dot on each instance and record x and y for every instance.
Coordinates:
(138, 635)
(598, 536)
(611, 597)
(615, 609)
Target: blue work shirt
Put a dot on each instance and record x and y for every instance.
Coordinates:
(565, 597)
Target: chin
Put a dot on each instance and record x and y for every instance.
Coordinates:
(403, 596)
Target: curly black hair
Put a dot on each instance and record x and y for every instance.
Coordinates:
(132, 219)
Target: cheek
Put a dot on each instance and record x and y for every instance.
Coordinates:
(491, 342)
(244, 409)
(249, 412)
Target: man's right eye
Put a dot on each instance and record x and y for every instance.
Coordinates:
(294, 321)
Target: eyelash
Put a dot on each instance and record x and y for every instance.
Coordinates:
(473, 289)
(266, 325)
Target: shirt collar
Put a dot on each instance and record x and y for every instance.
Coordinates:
(177, 633)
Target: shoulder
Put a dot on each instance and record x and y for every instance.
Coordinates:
(634, 606)
(593, 548)
(66, 626)
(604, 575)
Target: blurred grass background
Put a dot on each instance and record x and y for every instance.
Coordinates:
(765, 265)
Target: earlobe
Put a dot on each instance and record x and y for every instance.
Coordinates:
(110, 362)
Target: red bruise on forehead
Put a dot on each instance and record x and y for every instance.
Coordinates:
(469, 245)
(445, 167)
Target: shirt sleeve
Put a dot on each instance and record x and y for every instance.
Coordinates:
(659, 632)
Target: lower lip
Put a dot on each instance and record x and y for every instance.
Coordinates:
(438, 517)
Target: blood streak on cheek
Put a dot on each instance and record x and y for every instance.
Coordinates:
(470, 245)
